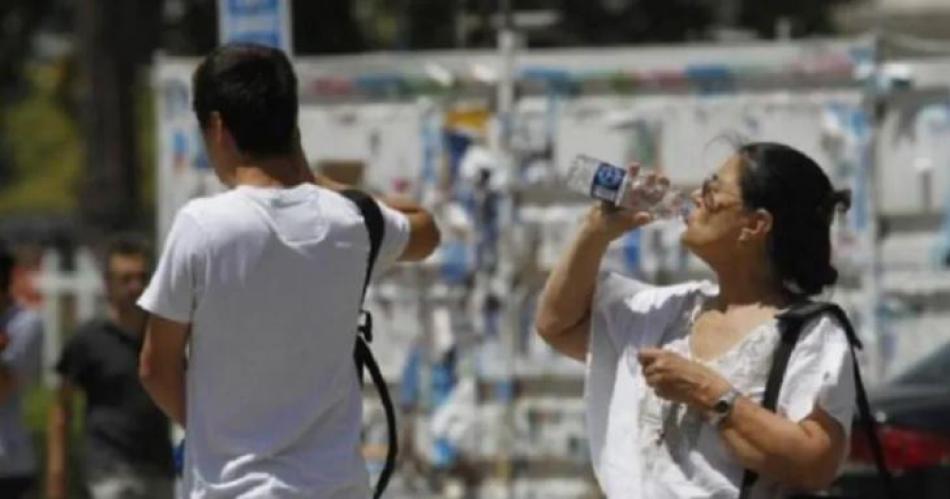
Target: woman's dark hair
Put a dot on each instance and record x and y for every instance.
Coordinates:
(796, 192)
(254, 88)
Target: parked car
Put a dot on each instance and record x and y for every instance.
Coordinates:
(913, 411)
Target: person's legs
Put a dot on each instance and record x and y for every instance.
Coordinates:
(16, 487)
(158, 486)
(121, 481)
(112, 487)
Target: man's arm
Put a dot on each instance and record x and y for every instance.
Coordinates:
(60, 416)
(162, 365)
(424, 236)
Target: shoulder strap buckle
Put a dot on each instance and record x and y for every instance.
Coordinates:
(365, 326)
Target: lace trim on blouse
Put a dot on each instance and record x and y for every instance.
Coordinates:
(670, 431)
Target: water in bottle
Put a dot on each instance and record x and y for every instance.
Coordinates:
(614, 185)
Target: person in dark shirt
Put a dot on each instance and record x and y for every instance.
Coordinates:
(126, 448)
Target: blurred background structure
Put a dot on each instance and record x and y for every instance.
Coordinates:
(476, 107)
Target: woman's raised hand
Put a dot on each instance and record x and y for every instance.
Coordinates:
(610, 222)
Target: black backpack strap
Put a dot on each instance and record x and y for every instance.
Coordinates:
(363, 351)
(789, 331)
(373, 219)
(864, 407)
(791, 324)
(362, 355)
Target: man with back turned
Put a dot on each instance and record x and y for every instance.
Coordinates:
(261, 285)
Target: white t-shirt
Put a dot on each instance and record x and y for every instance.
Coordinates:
(645, 447)
(270, 281)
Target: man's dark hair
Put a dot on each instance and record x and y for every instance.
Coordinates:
(254, 89)
(126, 245)
(7, 262)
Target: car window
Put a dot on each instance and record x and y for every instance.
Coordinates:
(934, 368)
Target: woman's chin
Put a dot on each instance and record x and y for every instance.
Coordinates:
(692, 243)
(687, 239)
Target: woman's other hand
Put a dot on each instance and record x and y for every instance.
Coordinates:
(678, 379)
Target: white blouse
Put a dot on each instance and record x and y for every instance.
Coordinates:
(643, 446)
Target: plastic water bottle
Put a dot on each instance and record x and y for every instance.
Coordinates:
(614, 185)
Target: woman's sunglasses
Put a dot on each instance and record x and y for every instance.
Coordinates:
(708, 192)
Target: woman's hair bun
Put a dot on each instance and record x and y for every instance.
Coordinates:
(836, 201)
(829, 276)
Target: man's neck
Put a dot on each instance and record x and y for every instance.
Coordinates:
(130, 321)
(284, 171)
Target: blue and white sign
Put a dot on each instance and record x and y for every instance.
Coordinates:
(265, 22)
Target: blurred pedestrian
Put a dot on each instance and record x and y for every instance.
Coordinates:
(677, 373)
(126, 451)
(261, 285)
(21, 359)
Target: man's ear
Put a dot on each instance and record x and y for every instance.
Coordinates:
(757, 227)
(220, 137)
(216, 130)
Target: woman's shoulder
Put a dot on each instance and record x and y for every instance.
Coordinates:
(671, 295)
(825, 335)
(820, 371)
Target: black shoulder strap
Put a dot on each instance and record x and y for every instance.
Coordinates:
(373, 219)
(790, 328)
(362, 355)
(791, 324)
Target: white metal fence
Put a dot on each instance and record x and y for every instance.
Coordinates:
(70, 297)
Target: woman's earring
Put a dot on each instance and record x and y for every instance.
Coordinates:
(744, 237)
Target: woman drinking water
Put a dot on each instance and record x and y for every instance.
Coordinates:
(676, 374)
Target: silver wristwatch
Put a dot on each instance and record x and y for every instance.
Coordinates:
(723, 406)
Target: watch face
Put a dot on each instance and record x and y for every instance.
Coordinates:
(721, 407)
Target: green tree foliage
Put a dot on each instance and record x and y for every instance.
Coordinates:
(45, 147)
(19, 20)
(327, 27)
(619, 22)
(347, 26)
(807, 17)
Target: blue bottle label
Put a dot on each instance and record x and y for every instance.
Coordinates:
(607, 182)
